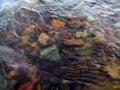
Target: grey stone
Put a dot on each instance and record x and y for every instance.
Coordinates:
(50, 53)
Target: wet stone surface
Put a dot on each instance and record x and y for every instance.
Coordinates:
(63, 48)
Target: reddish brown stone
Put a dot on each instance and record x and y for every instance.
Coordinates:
(66, 34)
(75, 42)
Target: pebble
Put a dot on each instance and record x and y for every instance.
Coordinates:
(28, 30)
(75, 23)
(35, 45)
(51, 41)
(100, 37)
(113, 70)
(74, 42)
(84, 34)
(50, 53)
(90, 18)
(57, 23)
(66, 34)
(78, 34)
(43, 38)
(25, 40)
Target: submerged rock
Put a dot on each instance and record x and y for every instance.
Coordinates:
(74, 42)
(50, 53)
(43, 39)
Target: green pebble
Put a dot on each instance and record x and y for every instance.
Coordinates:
(51, 53)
